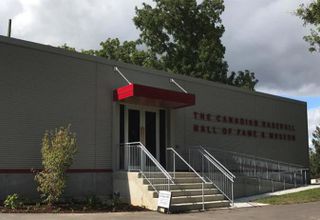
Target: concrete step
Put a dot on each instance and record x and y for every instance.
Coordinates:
(183, 207)
(190, 192)
(180, 180)
(181, 186)
(176, 180)
(183, 174)
(161, 175)
(197, 198)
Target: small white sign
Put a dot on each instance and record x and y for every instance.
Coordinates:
(164, 199)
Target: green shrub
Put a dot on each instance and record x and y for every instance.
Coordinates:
(93, 202)
(13, 201)
(58, 151)
(115, 202)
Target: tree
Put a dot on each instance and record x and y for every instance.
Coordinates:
(244, 79)
(310, 14)
(128, 52)
(186, 36)
(58, 150)
(72, 49)
(315, 154)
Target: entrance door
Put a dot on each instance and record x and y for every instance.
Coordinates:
(143, 125)
(151, 133)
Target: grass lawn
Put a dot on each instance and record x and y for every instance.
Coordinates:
(311, 195)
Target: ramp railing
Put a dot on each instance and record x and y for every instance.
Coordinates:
(261, 168)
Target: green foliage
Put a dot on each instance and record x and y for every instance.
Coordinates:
(13, 201)
(93, 202)
(185, 36)
(58, 150)
(244, 79)
(310, 14)
(315, 155)
(72, 49)
(66, 47)
(127, 52)
(314, 170)
(115, 202)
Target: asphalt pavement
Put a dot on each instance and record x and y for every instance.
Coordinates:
(306, 211)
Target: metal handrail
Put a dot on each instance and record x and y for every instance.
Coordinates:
(169, 179)
(224, 182)
(231, 178)
(204, 181)
(189, 166)
(154, 160)
(221, 167)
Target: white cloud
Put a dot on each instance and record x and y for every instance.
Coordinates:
(80, 23)
(8, 9)
(266, 37)
(311, 89)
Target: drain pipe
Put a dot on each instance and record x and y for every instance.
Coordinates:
(9, 28)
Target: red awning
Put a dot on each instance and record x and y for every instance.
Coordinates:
(151, 96)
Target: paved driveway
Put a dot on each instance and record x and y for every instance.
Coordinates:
(307, 211)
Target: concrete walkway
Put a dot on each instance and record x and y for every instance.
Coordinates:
(246, 202)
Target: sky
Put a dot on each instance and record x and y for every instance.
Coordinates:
(263, 36)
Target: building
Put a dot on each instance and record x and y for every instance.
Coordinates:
(44, 87)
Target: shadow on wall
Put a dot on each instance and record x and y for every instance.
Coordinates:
(22, 184)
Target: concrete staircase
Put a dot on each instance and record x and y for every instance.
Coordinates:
(187, 192)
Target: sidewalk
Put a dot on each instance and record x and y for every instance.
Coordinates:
(246, 202)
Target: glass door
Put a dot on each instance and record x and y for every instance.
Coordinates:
(133, 130)
(151, 140)
(142, 125)
(145, 125)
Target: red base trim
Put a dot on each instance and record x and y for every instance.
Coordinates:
(13, 171)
